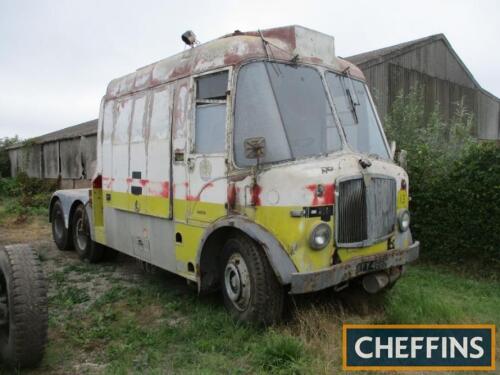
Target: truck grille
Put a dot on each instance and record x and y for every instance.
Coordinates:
(366, 212)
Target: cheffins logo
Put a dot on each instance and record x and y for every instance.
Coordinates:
(418, 347)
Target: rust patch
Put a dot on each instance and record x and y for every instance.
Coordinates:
(284, 34)
(190, 197)
(231, 58)
(315, 60)
(165, 189)
(180, 71)
(256, 190)
(326, 198)
(231, 195)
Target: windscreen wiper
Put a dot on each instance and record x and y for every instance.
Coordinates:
(353, 106)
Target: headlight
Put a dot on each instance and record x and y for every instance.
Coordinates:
(320, 236)
(404, 221)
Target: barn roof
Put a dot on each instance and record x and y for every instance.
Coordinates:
(75, 131)
(368, 59)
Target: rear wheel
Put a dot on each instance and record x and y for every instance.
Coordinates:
(61, 235)
(23, 307)
(250, 289)
(84, 246)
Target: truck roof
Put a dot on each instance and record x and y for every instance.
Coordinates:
(282, 43)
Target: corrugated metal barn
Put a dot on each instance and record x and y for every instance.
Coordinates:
(69, 153)
(429, 62)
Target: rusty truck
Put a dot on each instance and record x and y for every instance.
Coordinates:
(254, 164)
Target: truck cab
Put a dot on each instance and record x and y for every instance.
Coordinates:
(255, 164)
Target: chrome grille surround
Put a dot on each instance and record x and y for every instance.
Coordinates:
(365, 210)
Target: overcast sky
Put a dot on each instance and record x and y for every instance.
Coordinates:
(56, 57)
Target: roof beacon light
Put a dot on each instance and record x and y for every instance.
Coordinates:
(189, 38)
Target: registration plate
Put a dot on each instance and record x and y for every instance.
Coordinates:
(372, 265)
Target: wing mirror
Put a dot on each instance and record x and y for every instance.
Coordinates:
(402, 156)
(393, 149)
(255, 148)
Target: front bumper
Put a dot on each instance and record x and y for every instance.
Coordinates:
(339, 273)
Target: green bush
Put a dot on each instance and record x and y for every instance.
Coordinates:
(26, 195)
(454, 184)
(9, 187)
(457, 214)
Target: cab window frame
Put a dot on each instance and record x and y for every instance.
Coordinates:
(202, 102)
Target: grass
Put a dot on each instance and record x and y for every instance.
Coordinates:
(112, 318)
(158, 325)
(429, 295)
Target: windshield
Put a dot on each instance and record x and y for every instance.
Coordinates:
(288, 106)
(356, 115)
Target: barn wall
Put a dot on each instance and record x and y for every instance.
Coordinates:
(70, 156)
(435, 60)
(488, 117)
(376, 77)
(28, 160)
(436, 69)
(88, 147)
(449, 95)
(74, 160)
(50, 160)
(13, 162)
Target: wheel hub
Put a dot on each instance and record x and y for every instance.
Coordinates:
(81, 234)
(233, 277)
(237, 281)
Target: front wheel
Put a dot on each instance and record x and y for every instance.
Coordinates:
(249, 286)
(84, 246)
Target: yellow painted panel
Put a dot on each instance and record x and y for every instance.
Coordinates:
(141, 204)
(180, 208)
(349, 253)
(100, 235)
(205, 211)
(158, 206)
(117, 200)
(293, 233)
(97, 207)
(402, 199)
(186, 251)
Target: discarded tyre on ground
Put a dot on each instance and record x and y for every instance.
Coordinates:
(23, 307)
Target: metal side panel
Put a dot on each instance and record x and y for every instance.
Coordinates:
(144, 237)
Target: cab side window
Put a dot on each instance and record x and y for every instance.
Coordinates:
(210, 117)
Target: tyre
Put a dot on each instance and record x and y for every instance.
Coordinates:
(82, 241)
(250, 289)
(61, 235)
(23, 307)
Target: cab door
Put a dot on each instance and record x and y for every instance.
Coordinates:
(206, 163)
